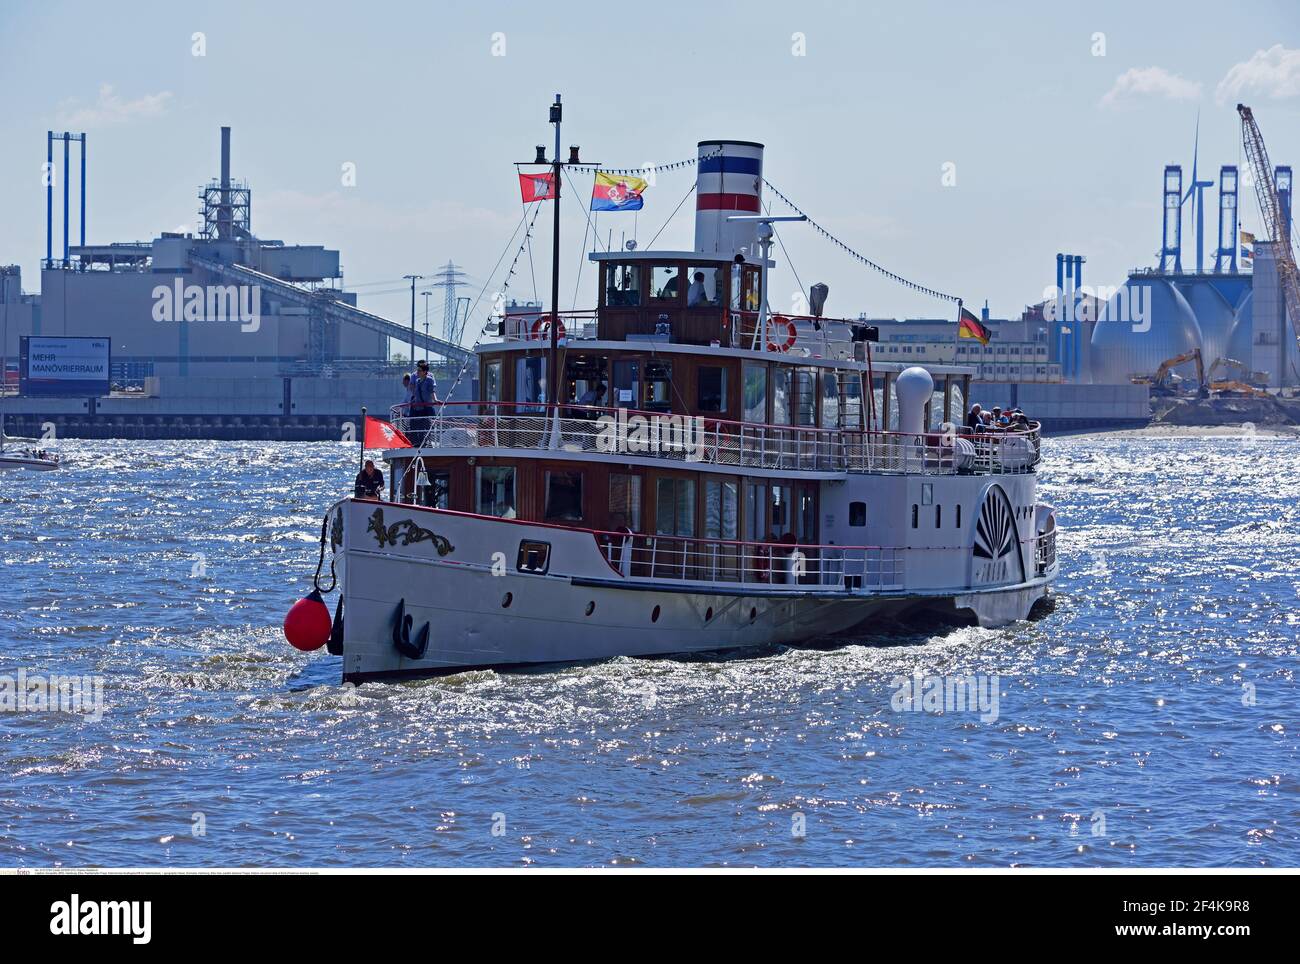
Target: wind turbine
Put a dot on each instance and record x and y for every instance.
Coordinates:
(1198, 202)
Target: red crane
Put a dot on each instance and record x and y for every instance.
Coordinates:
(1270, 209)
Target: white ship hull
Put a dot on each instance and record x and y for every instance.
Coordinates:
(458, 575)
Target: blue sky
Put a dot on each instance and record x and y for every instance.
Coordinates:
(1055, 148)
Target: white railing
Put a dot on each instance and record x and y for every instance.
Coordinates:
(1045, 551)
(766, 565)
(577, 428)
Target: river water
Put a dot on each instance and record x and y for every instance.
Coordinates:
(1150, 719)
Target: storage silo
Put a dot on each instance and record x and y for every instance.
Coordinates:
(1240, 335)
(1121, 348)
(1214, 315)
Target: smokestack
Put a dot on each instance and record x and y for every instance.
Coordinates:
(730, 179)
(223, 216)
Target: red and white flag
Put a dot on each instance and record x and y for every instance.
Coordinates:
(537, 187)
(382, 435)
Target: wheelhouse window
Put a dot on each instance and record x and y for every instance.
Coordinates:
(623, 286)
(704, 286)
(624, 501)
(666, 283)
(496, 491)
(711, 392)
(850, 399)
(530, 383)
(675, 507)
(744, 288)
(563, 497)
(755, 393)
(721, 509)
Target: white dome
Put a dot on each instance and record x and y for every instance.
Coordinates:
(1118, 351)
(914, 387)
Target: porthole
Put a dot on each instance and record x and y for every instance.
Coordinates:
(591, 607)
(708, 614)
(654, 615)
(507, 599)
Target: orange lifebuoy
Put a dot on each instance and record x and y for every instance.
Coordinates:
(543, 324)
(791, 334)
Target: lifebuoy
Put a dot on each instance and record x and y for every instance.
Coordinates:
(543, 323)
(791, 334)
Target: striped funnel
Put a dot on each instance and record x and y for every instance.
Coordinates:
(730, 182)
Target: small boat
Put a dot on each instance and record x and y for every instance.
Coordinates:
(25, 455)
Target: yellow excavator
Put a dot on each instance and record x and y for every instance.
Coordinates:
(1162, 381)
(1249, 384)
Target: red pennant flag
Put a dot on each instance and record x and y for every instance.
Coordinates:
(537, 187)
(382, 435)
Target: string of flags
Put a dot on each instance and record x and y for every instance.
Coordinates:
(862, 258)
(615, 189)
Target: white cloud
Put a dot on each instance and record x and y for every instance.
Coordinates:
(1138, 83)
(1274, 73)
(109, 108)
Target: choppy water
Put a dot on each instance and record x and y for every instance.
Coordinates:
(1126, 732)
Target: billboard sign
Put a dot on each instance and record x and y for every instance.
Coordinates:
(63, 366)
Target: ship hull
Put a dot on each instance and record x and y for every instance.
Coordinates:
(481, 613)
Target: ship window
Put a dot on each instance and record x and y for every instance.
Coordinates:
(530, 382)
(675, 507)
(433, 489)
(665, 283)
(624, 501)
(711, 393)
(658, 386)
(721, 509)
(805, 380)
(958, 515)
(534, 557)
(850, 392)
(915, 515)
(830, 400)
(938, 515)
(492, 381)
(563, 497)
(781, 395)
(627, 382)
(755, 401)
(703, 286)
(496, 491)
(623, 289)
(857, 514)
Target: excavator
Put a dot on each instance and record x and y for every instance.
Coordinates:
(1249, 384)
(1162, 382)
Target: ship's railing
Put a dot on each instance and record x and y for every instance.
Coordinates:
(678, 438)
(535, 326)
(769, 565)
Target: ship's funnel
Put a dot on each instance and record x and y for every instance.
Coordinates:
(224, 214)
(730, 182)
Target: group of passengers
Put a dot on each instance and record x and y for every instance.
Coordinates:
(980, 421)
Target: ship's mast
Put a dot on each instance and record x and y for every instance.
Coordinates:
(553, 368)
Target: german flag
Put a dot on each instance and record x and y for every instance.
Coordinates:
(968, 326)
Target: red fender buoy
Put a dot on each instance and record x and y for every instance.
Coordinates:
(307, 624)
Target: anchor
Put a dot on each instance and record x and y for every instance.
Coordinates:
(402, 622)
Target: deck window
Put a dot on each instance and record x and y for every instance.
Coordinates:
(675, 507)
(530, 382)
(805, 407)
(721, 509)
(711, 393)
(850, 392)
(496, 491)
(627, 385)
(624, 501)
(830, 400)
(623, 289)
(781, 413)
(755, 391)
(492, 381)
(658, 386)
(857, 514)
(563, 497)
(432, 488)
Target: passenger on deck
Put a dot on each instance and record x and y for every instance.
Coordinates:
(593, 395)
(973, 419)
(423, 397)
(696, 296)
(369, 482)
(408, 395)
